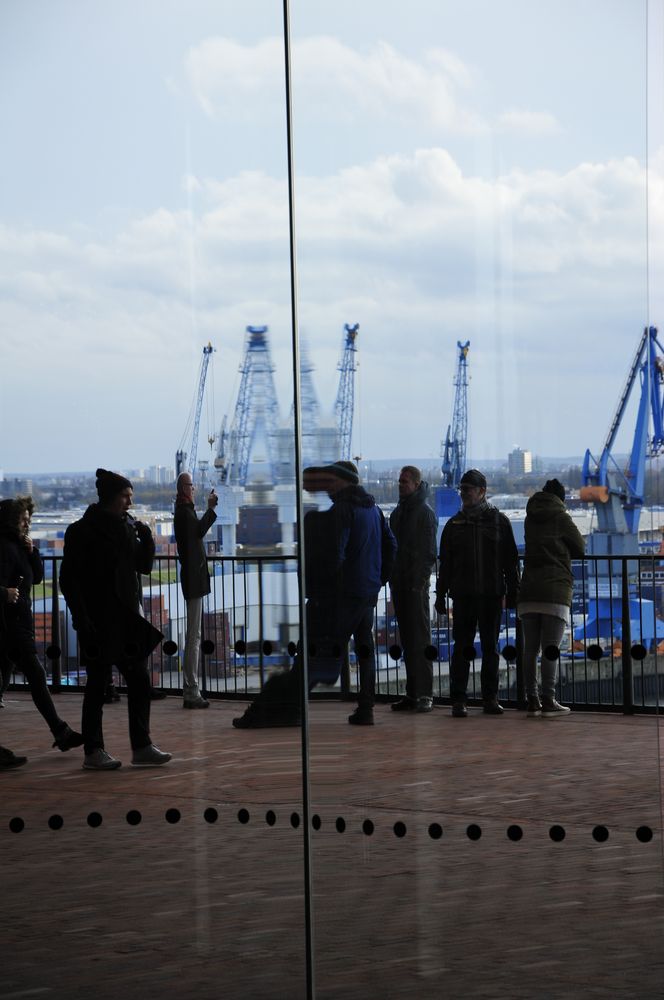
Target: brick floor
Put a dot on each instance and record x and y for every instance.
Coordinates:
(210, 906)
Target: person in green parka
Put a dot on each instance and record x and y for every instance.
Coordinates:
(552, 541)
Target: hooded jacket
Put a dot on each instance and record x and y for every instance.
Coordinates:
(22, 569)
(104, 555)
(414, 525)
(344, 555)
(552, 541)
(189, 533)
(478, 556)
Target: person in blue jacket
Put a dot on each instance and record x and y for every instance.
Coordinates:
(349, 550)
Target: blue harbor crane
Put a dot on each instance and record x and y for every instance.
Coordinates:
(186, 461)
(616, 492)
(453, 448)
(345, 401)
(256, 416)
(310, 410)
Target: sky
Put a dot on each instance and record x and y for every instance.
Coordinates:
(486, 171)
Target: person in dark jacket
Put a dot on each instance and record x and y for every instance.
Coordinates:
(194, 579)
(552, 541)
(20, 568)
(104, 554)
(344, 565)
(479, 569)
(414, 525)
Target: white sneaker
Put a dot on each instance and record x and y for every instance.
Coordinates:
(99, 760)
(551, 709)
(149, 756)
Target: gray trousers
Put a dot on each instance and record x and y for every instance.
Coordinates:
(192, 648)
(540, 632)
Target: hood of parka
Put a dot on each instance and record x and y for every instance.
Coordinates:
(543, 506)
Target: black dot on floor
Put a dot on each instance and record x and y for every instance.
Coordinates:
(56, 822)
(514, 832)
(557, 833)
(134, 817)
(399, 829)
(340, 824)
(172, 815)
(435, 831)
(210, 815)
(243, 816)
(368, 827)
(16, 825)
(270, 817)
(644, 834)
(295, 820)
(474, 832)
(94, 820)
(600, 834)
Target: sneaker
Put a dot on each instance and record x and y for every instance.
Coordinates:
(459, 710)
(552, 710)
(199, 702)
(534, 710)
(9, 759)
(362, 717)
(403, 705)
(99, 760)
(492, 707)
(424, 704)
(149, 756)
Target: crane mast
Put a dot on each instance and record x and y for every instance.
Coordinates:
(453, 448)
(256, 414)
(345, 401)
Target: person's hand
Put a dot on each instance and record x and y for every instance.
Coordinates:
(12, 595)
(212, 499)
(27, 541)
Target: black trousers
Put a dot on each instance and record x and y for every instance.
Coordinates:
(328, 632)
(137, 680)
(414, 619)
(21, 652)
(471, 614)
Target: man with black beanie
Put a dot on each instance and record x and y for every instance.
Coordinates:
(479, 569)
(105, 553)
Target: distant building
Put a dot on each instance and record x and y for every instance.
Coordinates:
(519, 462)
(162, 475)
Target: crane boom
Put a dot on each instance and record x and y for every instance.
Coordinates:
(181, 463)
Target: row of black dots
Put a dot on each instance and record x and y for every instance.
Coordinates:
(593, 651)
(514, 832)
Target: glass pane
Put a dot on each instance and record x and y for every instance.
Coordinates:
(145, 262)
(478, 175)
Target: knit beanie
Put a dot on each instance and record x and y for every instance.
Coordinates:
(555, 487)
(473, 477)
(109, 484)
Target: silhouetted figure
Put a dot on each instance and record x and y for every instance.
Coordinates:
(20, 568)
(194, 579)
(105, 553)
(414, 525)
(479, 569)
(552, 541)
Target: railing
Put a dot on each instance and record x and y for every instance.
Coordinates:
(610, 657)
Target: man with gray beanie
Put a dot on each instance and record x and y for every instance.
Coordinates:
(105, 553)
(479, 569)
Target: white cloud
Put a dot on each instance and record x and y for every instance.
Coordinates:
(528, 122)
(415, 250)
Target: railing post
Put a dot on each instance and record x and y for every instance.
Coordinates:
(56, 654)
(202, 653)
(626, 655)
(261, 664)
(518, 643)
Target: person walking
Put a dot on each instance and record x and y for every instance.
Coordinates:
(479, 569)
(552, 541)
(21, 567)
(194, 579)
(414, 525)
(105, 553)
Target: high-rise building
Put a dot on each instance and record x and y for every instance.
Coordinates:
(519, 462)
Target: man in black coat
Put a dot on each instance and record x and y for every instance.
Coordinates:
(414, 524)
(104, 554)
(194, 578)
(479, 569)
